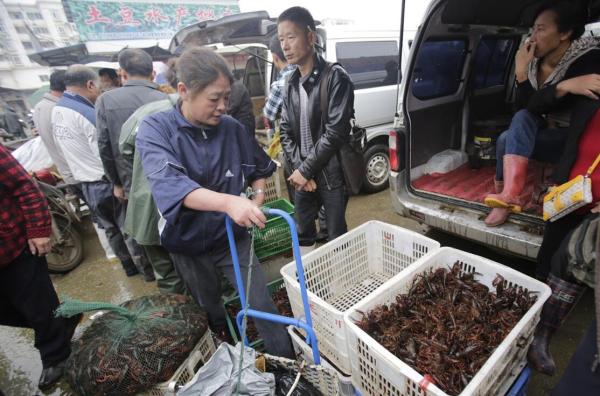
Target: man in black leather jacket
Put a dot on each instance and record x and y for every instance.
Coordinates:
(311, 141)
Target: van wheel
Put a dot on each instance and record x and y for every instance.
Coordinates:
(377, 168)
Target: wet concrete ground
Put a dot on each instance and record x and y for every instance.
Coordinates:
(98, 279)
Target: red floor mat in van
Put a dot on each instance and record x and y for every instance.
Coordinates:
(474, 184)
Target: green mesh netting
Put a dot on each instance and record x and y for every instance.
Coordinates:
(134, 346)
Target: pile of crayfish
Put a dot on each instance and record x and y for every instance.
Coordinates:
(448, 324)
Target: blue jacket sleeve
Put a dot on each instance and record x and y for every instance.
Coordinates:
(167, 176)
(257, 164)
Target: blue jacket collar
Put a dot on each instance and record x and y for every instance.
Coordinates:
(183, 123)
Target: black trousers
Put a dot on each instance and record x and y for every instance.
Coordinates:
(578, 378)
(554, 233)
(308, 205)
(28, 299)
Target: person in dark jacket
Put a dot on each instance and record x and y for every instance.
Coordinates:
(27, 297)
(311, 141)
(552, 67)
(113, 108)
(581, 149)
(198, 161)
(240, 106)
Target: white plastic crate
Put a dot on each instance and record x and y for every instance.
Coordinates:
(203, 350)
(377, 372)
(345, 387)
(342, 272)
(273, 187)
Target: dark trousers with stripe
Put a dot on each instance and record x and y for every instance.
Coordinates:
(28, 299)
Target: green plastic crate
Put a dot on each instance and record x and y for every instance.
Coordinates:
(272, 287)
(275, 238)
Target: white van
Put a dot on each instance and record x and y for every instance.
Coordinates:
(457, 97)
(364, 52)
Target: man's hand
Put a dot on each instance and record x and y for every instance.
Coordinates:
(522, 60)
(596, 209)
(119, 193)
(39, 246)
(588, 85)
(245, 212)
(311, 186)
(297, 180)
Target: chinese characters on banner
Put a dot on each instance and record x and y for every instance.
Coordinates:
(124, 20)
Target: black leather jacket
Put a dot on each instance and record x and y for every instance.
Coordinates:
(322, 163)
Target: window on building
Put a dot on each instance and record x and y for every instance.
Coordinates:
(21, 29)
(370, 64)
(16, 14)
(44, 77)
(61, 30)
(40, 30)
(27, 45)
(15, 59)
(439, 68)
(34, 15)
(3, 58)
(47, 44)
(57, 14)
(492, 60)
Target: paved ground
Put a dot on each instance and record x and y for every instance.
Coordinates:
(98, 279)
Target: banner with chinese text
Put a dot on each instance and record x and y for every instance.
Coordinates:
(124, 20)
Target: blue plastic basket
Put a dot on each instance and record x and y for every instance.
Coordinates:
(519, 387)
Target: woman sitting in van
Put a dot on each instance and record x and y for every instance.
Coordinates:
(552, 67)
(581, 149)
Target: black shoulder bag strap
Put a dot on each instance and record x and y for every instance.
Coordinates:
(350, 155)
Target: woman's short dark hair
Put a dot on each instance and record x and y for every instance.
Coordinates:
(300, 16)
(568, 17)
(108, 72)
(57, 81)
(198, 67)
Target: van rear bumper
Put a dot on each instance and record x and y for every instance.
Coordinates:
(515, 238)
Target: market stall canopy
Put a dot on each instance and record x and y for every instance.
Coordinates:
(66, 56)
(79, 53)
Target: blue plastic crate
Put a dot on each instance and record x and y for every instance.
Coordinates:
(519, 387)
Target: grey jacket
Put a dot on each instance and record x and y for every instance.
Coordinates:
(113, 108)
(42, 118)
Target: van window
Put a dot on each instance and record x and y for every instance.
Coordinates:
(439, 68)
(492, 60)
(369, 63)
(254, 78)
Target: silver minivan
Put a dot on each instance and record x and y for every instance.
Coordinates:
(456, 98)
(368, 54)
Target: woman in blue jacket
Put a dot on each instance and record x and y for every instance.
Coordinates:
(198, 162)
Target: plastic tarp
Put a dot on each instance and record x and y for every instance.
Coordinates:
(219, 376)
(33, 155)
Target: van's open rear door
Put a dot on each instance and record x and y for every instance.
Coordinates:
(245, 28)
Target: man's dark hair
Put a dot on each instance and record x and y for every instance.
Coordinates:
(136, 62)
(568, 16)
(198, 67)
(57, 81)
(171, 72)
(299, 16)
(275, 47)
(108, 72)
(79, 75)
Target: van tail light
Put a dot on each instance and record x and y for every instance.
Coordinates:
(393, 145)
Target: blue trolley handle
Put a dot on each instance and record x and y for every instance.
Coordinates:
(306, 325)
